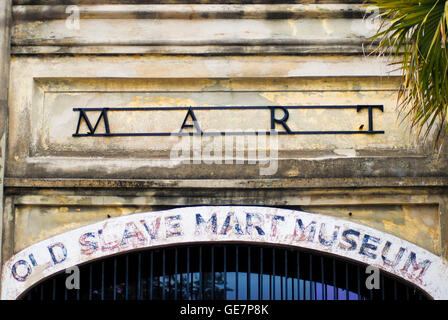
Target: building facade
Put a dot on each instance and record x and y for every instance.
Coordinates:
(137, 133)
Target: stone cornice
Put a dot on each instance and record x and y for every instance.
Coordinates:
(197, 11)
(245, 2)
(196, 29)
(292, 183)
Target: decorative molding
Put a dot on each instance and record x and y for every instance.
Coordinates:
(215, 29)
(87, 2)
(308, 183)
(193, 11)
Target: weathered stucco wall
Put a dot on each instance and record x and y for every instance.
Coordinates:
(171, 55)
(37, 217)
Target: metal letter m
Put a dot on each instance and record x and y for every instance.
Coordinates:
(83, 115)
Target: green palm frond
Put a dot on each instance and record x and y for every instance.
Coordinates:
(415, 33)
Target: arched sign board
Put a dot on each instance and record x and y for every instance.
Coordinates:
(223, 224)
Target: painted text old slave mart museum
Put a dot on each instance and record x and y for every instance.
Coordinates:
(227, 150)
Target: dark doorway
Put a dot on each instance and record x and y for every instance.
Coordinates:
(223, 272)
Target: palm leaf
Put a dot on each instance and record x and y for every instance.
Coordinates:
(415, 33)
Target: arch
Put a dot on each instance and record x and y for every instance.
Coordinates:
(261, 225)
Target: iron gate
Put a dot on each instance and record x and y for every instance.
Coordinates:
(223, 272)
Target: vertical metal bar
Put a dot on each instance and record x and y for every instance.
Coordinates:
(176, 274)
(335, 290)
(127, 278)
(261, 276)
(298, 274)
(292, 283)
(236, 272)
(273, 273)
(248, 274)
(358, 275)
(346, 282)
(139, 277)
(200, 274)
(311, 277)
(192, 283)
(102, 280)
(54, 289)
(213, 271)
(225, 272)
(90, 282)
(270, 284)
(181, 284)
(151, 265)
(395, 290)
(304, 287)
(322, 277)
(163, 274)
(169, 284)
(293, 287)
(115, 278)
(286, 274)
(78, 294)
(281, 284)
(188, 274)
